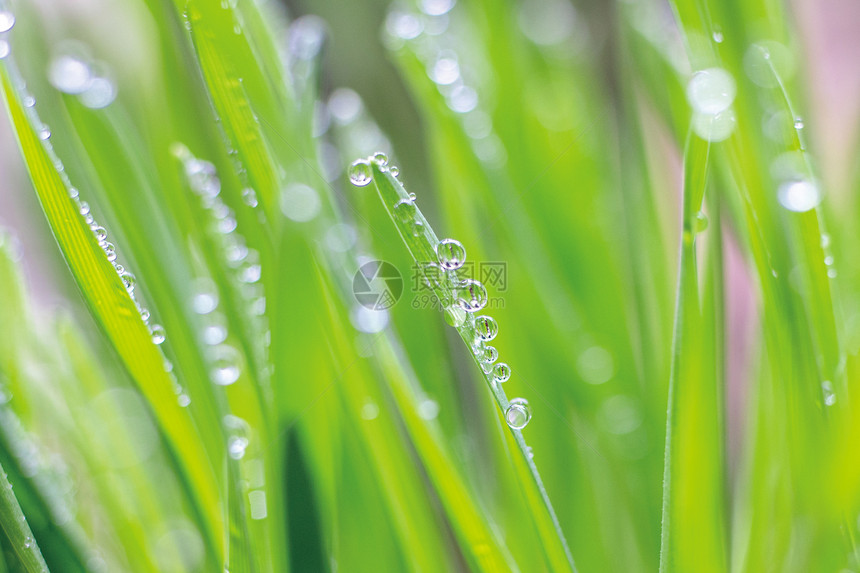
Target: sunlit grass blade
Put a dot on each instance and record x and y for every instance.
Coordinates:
(116, 314)
(16, 530)
(461, 299)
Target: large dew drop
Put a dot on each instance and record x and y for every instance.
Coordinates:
(451, 254)
(472, 295)
(7, 20)
(711, 91)
(157, 333)
(360, 173)
(518, 413)
(799, 196)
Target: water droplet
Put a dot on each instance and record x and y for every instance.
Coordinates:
(446, 70)
(501, 372)
(829, 394)
(205, 302)
(369, 320)
(825, 240)
(306, 37)
(100, 93)
(144, 315)
(44, 133)
(798, 123)
(7, 20)
(184, 400)
(403, 25)
(451, 254)
(249, 196)
(828, 260)
(463, 99)
(28, 542)
(300, 203)
(369, 411)
(518, 413)
(340, 237)
(717, 127)
(486, 327)
(717, 36)
(595, 365)
(214, 334)
(711, 91)
(29, 101)
(84, 208)
(799, 196)
(4, 49)
(489, 355)
(360, 173)
(701, 222)
(380, 158)
(157, 332)
(69, 74)
(344, 105)
(110, 251)
(472, 295)
(128, 280)
(428, 409)
(394, 170)
(436, 7)
(225, 368)
(236, 446)
(251, 273)
(100, 233)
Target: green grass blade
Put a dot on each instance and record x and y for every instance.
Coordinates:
(17, 531)
(115, 312)
(421, 241)
(693, 535)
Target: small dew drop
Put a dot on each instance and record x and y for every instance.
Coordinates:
(451, 254)
(100, 233)
(798, 123)
(184, 400)
(44, 133)
(225, 370)
(486, 327)
(4, 49)
(128, 281)
(428, 409)
(472, 295)
(249, 196)
(717, 36)
(518, 413)
(436, 7)
(300, 202)
(404, 25)
(501, 372)
(157, 333)
(394, 170)
(144, 315)
(204, 302)
(70, 75)
(489, 355)
(701, 222)
(360, 173)
(28, 542)
(828, 393)
(236, 446)
(110, 251)
(380, 158)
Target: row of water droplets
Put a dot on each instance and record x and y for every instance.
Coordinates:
(244, 262)
(66, 72)
(461, 298)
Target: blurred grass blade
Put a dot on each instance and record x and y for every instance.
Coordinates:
(116, 314)
(693, 536)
